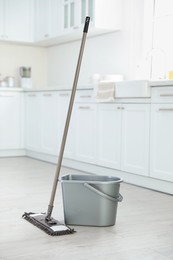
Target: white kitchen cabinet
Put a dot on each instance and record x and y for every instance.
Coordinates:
(109, 135)
(69, 15)
(123, 137)
(86, 8)
(1, 20)
(63, 104)
(104, 15)
(33, 121)
(161, 141)
(11, 120)
(16, 20)
(135, 138)
(85, 128)
(49, 122)
(47, 19)
(163, 7)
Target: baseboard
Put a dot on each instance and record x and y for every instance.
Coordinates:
(12, 152)
(139, 180)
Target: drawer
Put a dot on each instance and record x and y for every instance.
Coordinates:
(84, 96)
(162, 94)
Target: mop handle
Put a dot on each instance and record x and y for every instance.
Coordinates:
(58, 168)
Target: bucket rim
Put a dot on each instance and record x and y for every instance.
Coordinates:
(119, 180)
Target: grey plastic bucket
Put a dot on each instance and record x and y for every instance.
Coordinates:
(90, 200)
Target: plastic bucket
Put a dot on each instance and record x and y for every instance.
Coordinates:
(90, 200)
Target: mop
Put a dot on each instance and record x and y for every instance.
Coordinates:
(45, 221)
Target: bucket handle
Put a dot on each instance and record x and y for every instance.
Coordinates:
(118, 199)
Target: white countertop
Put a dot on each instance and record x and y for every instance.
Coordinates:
(152, 83)
(159, 83)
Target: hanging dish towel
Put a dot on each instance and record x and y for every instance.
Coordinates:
(105, 91)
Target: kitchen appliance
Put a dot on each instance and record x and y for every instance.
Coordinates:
(25, 77)
(10, 81)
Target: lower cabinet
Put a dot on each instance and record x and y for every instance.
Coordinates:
(33, 121)
(11, 120)
(135, 138)
(49, 122)
(85, 129)
(123, 137)
(45, 115)
(63, 104)
(110, 135)
(109, 131)
(161, 141)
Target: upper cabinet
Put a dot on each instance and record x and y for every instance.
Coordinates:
(48, 22)
(69, 12)
(163, 7)
(105, 16)
(70, 17)
(47, 19)
(16, 21)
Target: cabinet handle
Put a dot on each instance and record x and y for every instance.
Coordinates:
(120, 107)
(47, 95)
(84, 107)
(166, 109)
(166, 95)
(64, 94)
(85, 96)
(31, 95)
(46, 35)
(3, 95)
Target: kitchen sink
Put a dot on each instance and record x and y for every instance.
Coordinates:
(132, 89)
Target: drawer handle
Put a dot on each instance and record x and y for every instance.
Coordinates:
(64, 94)
(32, 95)
(165, 109)
(84, 107)
(166, 95)
(1, 95)
(47, 95)
(86, 96)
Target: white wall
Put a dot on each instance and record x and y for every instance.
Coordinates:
(14, 56)
(103, 55)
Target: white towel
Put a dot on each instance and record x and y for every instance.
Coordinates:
(105, 91)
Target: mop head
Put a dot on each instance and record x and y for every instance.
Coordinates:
(51, 227)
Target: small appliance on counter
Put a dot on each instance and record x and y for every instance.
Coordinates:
(8, 81)
(25, 77)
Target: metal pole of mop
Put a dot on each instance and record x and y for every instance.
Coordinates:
(57, 173)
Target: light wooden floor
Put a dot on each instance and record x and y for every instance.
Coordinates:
(144, 227)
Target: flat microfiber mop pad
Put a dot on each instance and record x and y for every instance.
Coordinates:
(51, 227)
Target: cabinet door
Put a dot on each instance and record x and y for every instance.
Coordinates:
(49, 124)
(161, 141)
(33, 121)
(63, 104)
(69, 15)
(18, 15)
(11, 127)
(42, 19)
(135, 138)
(109, 135)
(86, 8)
(85, 132)
(1, 20)
(163, 7)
